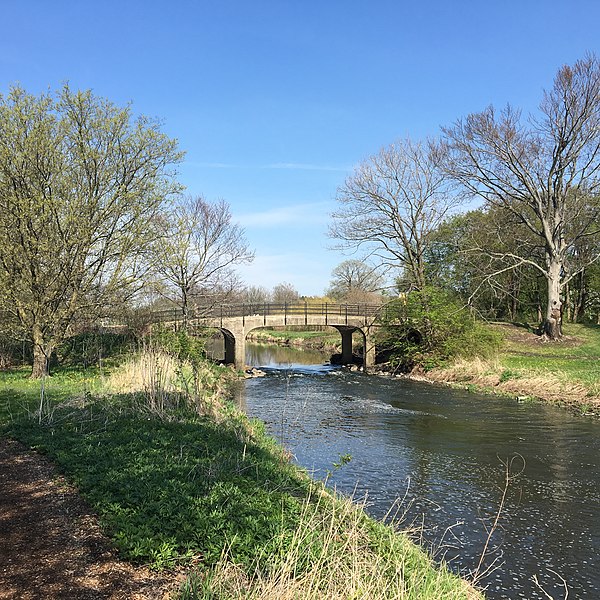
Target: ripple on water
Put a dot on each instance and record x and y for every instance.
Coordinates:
(442, 449)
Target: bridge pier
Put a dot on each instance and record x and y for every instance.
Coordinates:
(368, 349)
(346, 333)
(235, 348)
(368, 345)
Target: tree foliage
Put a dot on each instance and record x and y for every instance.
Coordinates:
(427, 327)
(80, 183)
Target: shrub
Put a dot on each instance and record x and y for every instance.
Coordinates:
(426, 328)
(180, 344)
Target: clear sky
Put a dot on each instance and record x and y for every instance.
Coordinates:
(275, 102)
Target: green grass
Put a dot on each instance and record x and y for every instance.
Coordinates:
(578, 362)
(328, 336)
(213, 491)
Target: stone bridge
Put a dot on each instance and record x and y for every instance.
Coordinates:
(236, 321)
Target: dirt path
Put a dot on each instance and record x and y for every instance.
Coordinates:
(50, 542)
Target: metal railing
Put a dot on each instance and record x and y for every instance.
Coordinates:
(223, 311)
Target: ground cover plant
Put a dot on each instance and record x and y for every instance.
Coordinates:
(180, 478)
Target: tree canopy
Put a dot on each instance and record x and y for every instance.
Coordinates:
(80, 183)
(355, 281)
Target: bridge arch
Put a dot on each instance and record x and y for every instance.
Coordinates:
(234, 339)
(235, 321)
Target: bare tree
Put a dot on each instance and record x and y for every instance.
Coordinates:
(544, 172)
(80, 182)
(255, 295)
(285, 293)
(391, 205)
(197, 250)
(355, 281)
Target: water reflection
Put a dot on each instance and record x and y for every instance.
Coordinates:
(447, 447)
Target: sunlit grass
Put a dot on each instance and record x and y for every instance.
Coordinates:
(577, 359)
(328, 336)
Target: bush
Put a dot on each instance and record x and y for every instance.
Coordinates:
(428, 327)
(180, 345)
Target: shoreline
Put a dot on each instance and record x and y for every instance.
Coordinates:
(560, 393)
(481, 376)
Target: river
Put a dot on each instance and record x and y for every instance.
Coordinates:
(442, 453)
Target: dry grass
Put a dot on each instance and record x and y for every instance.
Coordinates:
(548, 385)
(162, 383)
(335, 555)
(147, 370)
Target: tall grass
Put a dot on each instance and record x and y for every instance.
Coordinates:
(335, 552)
(162, 383)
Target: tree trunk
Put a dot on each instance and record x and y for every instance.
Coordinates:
(185, 309)
(552, 325)
(41, 354)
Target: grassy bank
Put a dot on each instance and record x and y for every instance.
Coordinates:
(565, 372)
(179, 478)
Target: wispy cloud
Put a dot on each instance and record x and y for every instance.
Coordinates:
(212, 165)
(307, 167)
(297, 214)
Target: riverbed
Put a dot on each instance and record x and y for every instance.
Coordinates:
(436, 458)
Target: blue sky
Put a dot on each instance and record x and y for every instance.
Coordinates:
(275, 102)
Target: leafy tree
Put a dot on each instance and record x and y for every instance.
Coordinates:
(355, 281)
(197, 250)
(80, 183)
(456, 262)
(391, 205)
(543, 172)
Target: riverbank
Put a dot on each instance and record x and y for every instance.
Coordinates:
(565, 373)
(182, 482)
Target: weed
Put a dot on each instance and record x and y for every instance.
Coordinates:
(508, 374)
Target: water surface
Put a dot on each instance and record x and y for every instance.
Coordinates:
(443, 451)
